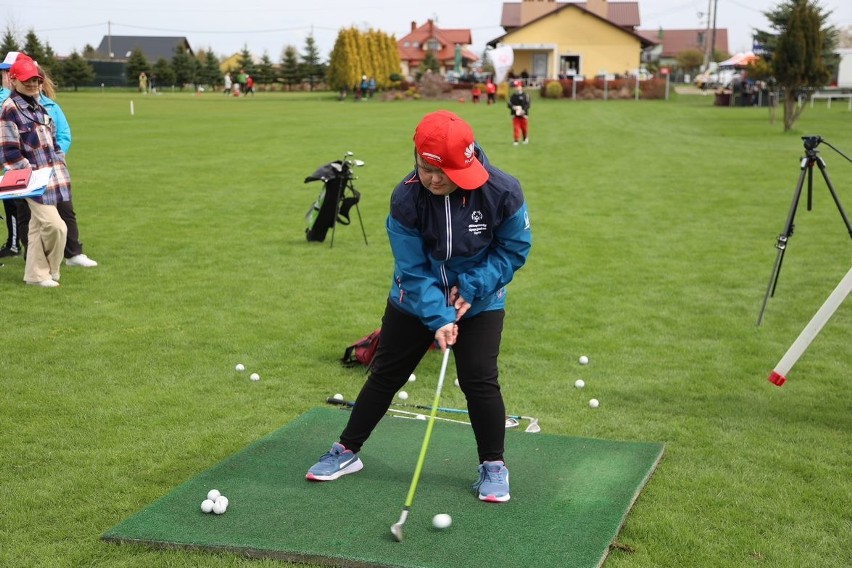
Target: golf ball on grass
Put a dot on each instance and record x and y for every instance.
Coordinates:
(442, 521)
(213, 494)
(338, 396)
(207, 506)
(402, 395)
(255, 377)
(412, 377)
(594, 403)
(240, 367)
(583, 360)
(579, 383)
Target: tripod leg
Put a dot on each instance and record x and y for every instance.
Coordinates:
(834, 195)
(784, 238)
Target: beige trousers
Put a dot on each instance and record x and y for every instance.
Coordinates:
(47, 234)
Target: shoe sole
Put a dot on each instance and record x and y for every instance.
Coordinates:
(494, 498)
(357, 465)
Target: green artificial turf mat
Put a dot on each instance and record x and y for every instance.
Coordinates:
(570, 497)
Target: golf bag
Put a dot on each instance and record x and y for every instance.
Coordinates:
(362, 351)
(336, 199)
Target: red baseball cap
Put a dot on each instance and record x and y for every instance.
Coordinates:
(24, 68)
(444, 140)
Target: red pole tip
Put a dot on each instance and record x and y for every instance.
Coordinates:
(777, 379)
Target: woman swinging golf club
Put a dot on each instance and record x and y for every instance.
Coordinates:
(459, 230)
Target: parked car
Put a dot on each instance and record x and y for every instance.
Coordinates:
(716, 79)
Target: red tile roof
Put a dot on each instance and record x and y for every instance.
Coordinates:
(623, 14)
(410, 46)
(676, 41)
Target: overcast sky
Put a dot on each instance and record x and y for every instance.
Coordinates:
(270, 25)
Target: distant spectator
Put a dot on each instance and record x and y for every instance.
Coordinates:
(249, 86)
(491, 91)
(475, 92)
(143, 82)
(229, 84)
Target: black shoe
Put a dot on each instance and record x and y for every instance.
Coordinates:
(9, 251)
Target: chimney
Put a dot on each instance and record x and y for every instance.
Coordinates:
(598, 7)
(532, 9)
(413, 26)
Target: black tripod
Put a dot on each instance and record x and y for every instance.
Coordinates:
(810, 158)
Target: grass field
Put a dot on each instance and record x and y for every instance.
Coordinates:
(654, 229)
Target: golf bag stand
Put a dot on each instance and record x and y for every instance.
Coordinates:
(807, 169)
(335, 200)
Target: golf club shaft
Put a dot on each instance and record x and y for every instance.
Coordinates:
(429, 426)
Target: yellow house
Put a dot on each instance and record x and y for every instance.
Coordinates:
(554, 39)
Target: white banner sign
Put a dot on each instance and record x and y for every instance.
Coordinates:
(502, 59)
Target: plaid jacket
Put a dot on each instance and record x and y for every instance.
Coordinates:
(28, 138)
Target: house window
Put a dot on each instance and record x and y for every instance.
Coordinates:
(433, 45)
(700, 38)
(569, 65)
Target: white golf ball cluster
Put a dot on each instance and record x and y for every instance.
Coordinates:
(580, 383)
(240, 368)
(215, 503)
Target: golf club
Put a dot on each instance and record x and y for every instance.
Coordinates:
(396, 528)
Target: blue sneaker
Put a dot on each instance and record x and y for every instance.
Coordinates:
(337, 462)
(493, 484)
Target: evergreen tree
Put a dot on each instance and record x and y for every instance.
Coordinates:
(209, 74)
(33, 47)
(431, 63)
(76, 71)
(265, 71)
(137, 63)
(184, 66)
(290, 67)
(799, 52)
(312, 67)
(246, 61)
(90, 52)
(162, 74)
(9, 42)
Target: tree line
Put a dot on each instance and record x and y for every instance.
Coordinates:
(372, 53)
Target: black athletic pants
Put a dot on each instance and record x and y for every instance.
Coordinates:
(11, 210)
(73, 246)
(404, 341)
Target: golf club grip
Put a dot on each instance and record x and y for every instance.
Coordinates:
(339, 401)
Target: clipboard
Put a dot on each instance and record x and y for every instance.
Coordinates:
(36, 187)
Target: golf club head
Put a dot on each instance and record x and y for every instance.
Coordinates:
(396, 531)
(511, 423)
(533, 428)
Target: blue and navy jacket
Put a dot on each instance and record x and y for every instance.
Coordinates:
(475, 240)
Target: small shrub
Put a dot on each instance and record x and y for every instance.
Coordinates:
(553, 90)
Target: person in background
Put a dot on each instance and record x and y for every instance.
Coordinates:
(491, 91)
(143, 83)
(475, 92)
(459, 229)
(249, 86)
(228, 84)
(519, 107)
(28, 139)
(73, 251)
(13, 244)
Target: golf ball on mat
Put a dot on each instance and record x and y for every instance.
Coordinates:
(584, 360)
(207, 506)
(213, 494)
(442, 521)
(220, 507)
(255, 377)
(579, 383)
(224, 500)
(412, 377)
(240, 367)
(403, 395)
(594, 403)
(338, 396)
